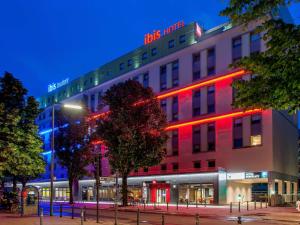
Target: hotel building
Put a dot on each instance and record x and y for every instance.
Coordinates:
(216, 154)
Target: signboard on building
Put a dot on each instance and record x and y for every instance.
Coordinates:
(54, 86)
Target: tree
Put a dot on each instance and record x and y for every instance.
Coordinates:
(276, 83)
(72, 148)
(133, 131)
(20, 144)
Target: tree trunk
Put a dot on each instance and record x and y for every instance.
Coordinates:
(71, 201)
(124, 189)
(14, 184)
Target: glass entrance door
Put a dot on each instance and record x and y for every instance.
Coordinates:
(161, 195)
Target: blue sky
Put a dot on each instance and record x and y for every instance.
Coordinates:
(46, 41)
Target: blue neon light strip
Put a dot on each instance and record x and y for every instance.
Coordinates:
(50, 130)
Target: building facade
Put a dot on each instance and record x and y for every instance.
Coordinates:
(216, 154)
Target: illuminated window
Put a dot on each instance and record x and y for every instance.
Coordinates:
(122, 66)
(211, 61)
(236, 48)
(196, 139)
(182, 38)
(144, 56)
(196, 102)
(171, 44)
(129, 62)
(256, 130)
(196, 66)
(154, 51)
(254, 42)
(175, 108)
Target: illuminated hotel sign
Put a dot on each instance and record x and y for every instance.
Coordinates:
(54, 86)
(247, 175)
(149, 38)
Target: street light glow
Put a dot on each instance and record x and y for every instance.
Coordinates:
(72, 106)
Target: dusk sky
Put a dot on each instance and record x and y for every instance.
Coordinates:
(46, 41)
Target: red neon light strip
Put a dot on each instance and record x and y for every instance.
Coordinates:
(187, 88)
(214, 118)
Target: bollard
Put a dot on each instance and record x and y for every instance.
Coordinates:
(162, 219)
(261, 204)
(230, 207)
(255, 204)
(81, 216)
(247, 206)
(239, 206)
(41, 216)
(177, 205)
(144, 205)
(167, 206)
(204, 202)
(196, 203)
(266, 203)
(138, 217)
(239, 221)
(154, 205)
(84, 213)
(197, 219)
(60, 211)
(187, 204)
(72, 211)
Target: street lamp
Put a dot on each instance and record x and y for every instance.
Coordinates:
(69, 106)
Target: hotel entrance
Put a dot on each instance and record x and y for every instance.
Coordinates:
(161, 195)
(160, 192)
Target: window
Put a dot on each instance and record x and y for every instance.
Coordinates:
(197, 164)
(144, 56)
(197, 103)
(211, 62)
(163, 105)
(254, 42)
(211, 137)
(211, 163)
(182, 38)
(236, 48)
(129, 62)
(210, 99)
(171, 44)
(163, 167)
(92, 103)
(238, 133)
(91, 80)
(175, 108)
(122, 66)
(196, 66)
(146, 170)
(256, 130)
(99, 99)
(146, 80)
(136, 78)
(175, 142)
(163, 77)
(154, 51)
(175, 166)
(175, 73)
(196, 139)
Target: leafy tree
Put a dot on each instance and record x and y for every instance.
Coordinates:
(20, 144)
(72, 148)
(133, 131)
(277, 80)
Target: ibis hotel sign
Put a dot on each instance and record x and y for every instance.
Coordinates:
(150, 37)
(54, 86)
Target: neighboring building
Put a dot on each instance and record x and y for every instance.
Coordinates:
(216, 154)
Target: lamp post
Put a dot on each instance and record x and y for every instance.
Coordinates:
(76, 107)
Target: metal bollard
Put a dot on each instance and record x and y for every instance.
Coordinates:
(187, 204)
(72, 211)
(266, 203)
(162, 219)
(204, 202)
(177, 205)
(239, 206)
(81, 216)
(230, 207)
(196, 203)
(261, 204)
(197, 219)
(138, 217)
(167, 206)
(60, 211)
(255, 204)
(41, 216)
(239, 221)
(84, 213)
(144, 205)
(247, 206)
